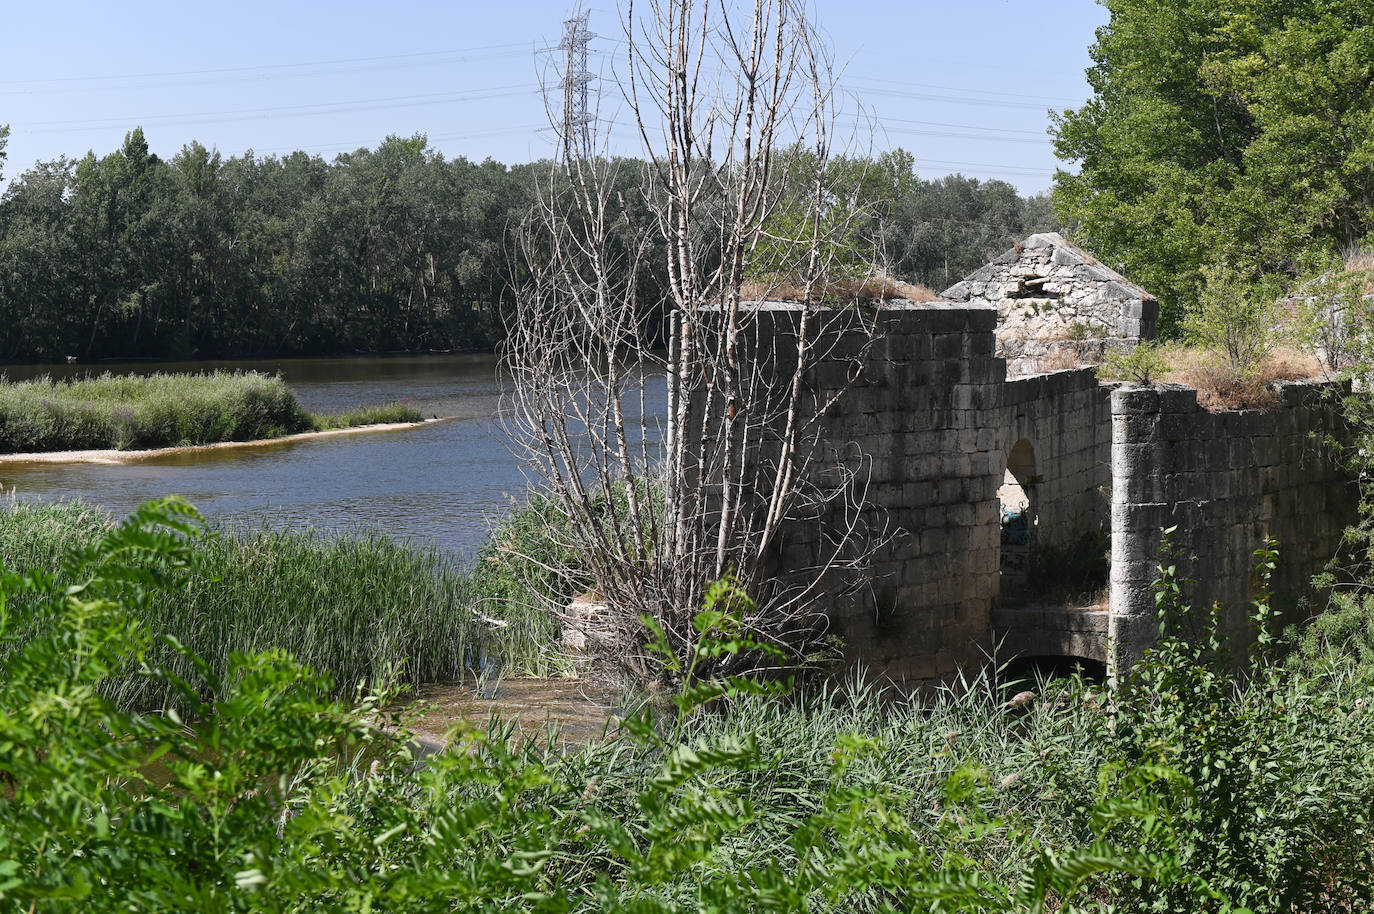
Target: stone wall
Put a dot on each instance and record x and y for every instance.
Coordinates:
(934, 414)
(1227, 480)
(1057, 306)
(1066, 418)
(931, 423)
(925, 409)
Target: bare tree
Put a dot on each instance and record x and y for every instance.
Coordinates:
(735, 202)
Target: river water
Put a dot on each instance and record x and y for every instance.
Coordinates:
(443, 484)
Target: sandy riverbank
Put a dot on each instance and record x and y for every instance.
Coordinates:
(113, 456)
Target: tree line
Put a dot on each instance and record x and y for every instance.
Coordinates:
(397, 248)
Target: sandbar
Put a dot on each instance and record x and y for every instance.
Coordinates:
(114, 456)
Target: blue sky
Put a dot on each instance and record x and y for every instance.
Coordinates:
(964, 86)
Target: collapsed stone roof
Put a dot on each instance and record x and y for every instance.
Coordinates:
(1057, 306)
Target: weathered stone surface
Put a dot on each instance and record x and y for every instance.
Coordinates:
(1057, 306)
(1227, 481)
(938, 422)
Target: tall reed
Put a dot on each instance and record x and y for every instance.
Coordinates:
(358, 606)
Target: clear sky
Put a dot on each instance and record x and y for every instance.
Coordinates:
(964, 86)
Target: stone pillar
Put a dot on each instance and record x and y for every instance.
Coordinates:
(1141, 507)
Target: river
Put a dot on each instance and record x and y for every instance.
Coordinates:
(442, 484)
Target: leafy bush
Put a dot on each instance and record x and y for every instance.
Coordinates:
(1237, 318)
(275, 798)
(1189, 791)
(1143, 364)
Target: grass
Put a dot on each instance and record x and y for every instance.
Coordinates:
(1193, 789)
(360, 607)
(1219, 388)
(130, 412)
(377, 414)
(876, 287)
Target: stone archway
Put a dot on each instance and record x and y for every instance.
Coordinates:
(1016, 498)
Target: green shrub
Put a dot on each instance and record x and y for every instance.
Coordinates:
(1237, 318)
(1142, 364)
(275, 798)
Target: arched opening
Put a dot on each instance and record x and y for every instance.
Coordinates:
(1016, 497)
(1026, 671)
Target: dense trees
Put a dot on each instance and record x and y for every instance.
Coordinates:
(936, 232)
(197, 256)
(392, 248)
(1223, 130)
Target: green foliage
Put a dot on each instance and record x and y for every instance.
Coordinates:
(529, 567)
(379, 414)
(1334, 316)
(1143, 364)
(1276, 810)
(1237, 319)
(825, 213)
(131, 412)
(937, 231)
(383, 249)
(274, 798)
(1221, 129)
(360, 607)
(1073, 569)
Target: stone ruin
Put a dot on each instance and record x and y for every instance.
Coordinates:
(1057, 306)
(960, 431)
(955, 441)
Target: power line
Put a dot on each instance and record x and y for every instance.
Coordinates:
(358, 144)
(212, 117)
(277, 66)
(901, 120)
(258, 77)
(1039, 98)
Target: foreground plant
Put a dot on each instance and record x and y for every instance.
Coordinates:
(275, 798)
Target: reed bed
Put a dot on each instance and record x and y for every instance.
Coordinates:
(132, 412)
(360, 607)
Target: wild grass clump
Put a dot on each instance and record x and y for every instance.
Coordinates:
(361, 607)
(873, 287)
(401, 411)
(133, 412)
(1219, 386)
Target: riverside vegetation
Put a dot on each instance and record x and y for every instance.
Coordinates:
(1190, 792)
(131, 412)
(362, 607)
(389, 248)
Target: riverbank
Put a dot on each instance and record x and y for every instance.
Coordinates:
(121, 413)
(113, 456)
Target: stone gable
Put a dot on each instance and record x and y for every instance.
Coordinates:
(1057, 306)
